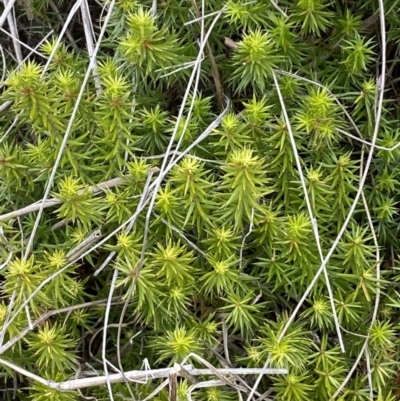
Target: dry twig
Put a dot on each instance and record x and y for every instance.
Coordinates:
(214, 69)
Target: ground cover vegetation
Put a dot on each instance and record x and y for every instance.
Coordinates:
(206, 184)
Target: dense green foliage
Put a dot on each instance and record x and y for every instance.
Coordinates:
(228, 245)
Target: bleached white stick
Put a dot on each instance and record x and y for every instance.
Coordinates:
(6, 11)
(310, 212)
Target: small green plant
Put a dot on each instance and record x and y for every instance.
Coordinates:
(155, 159)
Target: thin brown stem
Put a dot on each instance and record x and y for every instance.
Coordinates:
(214, 69)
